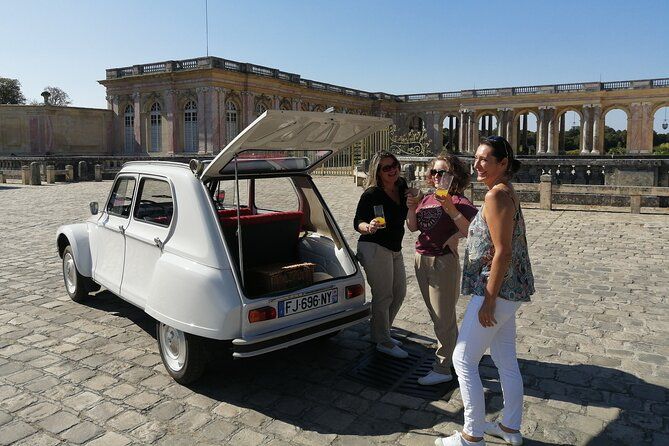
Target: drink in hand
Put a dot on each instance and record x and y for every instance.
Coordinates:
(443, 184)
(441, 193)
(379, 216)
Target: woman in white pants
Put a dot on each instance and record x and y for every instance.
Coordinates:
(498, 274)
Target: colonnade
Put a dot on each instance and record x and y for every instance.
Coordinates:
(470, 124)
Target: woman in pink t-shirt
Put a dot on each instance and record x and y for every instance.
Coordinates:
(441, 222)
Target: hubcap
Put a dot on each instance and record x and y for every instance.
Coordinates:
(173, 346)
(70, 273)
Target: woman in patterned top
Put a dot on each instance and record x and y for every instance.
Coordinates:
(498, 275)
(441, 222)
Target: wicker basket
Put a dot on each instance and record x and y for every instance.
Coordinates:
(279, 277)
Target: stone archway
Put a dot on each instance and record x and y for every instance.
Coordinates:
(615, 135)
(450, 125)
(487, 124)
(524, 135)
(415, 123)
(661, 128)
(570, 121)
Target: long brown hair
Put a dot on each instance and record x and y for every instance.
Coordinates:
(374, 172)
(457, 168)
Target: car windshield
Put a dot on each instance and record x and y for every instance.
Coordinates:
(274, 161)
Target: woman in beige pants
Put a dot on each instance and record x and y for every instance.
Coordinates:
(441, 219)
(379, 218)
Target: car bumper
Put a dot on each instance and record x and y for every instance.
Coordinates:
(268, 342)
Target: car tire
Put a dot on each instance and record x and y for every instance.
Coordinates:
(76, 285)
(184, 355)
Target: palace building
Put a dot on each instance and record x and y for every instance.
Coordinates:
(199, 105)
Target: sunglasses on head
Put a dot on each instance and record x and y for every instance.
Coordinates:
(497, 141)
(435, 172)
(389, 167)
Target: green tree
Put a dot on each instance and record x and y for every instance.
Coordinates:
(58, 97)
(572, 139)
(10, 91)
(660, 138)
(614, 140)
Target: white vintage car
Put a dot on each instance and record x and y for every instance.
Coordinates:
(239, 254)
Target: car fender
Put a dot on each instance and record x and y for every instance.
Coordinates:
(77, 236)
(194, 298)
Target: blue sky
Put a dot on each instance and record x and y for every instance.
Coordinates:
(375, 45)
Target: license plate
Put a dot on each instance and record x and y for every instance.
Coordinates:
(307, 302)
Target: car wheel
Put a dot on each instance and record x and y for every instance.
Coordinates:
(183, 354)
(75, 283)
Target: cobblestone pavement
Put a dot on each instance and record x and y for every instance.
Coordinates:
(593, 348)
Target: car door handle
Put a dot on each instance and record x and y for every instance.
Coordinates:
(158, 243)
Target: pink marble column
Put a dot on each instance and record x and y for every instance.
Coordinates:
(597, 130)
(171, 144)
(541, 131)
(551, 131)
(463, 131)
(140, 116)
(586, 130)
(473, 132)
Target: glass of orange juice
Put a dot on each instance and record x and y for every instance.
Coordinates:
(444, 182)
(379, 216)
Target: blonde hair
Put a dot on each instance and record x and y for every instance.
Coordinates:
(374, 172)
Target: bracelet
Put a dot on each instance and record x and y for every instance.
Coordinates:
(457, 217)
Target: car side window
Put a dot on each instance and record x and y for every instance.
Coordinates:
(154, 202)
(120, 200)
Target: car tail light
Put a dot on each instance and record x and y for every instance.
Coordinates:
(354, 291)
(262, 314)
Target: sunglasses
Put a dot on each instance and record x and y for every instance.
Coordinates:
(435, 172)
(497, 141)
(390, 167)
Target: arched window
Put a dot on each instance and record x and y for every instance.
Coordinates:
(231, 121)
(156, 127)
(190, 127)
(129, 129)
(260, 108)
(416, 124)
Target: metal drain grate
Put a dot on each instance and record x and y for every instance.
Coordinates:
(390, 374)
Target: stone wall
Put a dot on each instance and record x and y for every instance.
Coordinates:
(47, 130)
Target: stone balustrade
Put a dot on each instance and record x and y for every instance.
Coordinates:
(243, 67)
(75, 168)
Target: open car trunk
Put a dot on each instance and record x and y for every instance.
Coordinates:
(279, 232)
(289, 240)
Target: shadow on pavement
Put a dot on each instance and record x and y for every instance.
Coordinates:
(305, 386)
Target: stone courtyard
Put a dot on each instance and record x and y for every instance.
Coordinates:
(592, 346)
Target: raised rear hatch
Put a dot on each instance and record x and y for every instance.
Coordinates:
(291, 141)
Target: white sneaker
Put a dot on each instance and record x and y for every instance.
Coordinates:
(393, 351)
(433, 378)
(457, 440)
(493, 429)
(397, 342)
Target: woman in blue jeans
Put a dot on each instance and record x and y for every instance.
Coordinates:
(498, 275)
